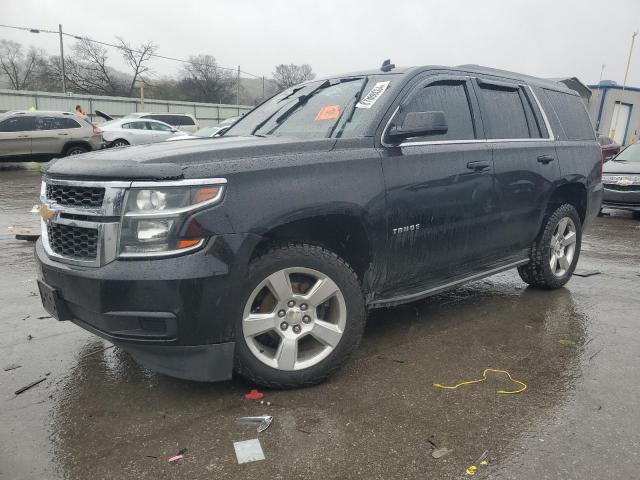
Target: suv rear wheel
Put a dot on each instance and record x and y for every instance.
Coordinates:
(303, 314)
(554, 255)
(75, 150)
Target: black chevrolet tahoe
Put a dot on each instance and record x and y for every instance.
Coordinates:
(261, 251)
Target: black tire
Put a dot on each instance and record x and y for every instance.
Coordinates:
(75, 150)
(120, 142)
(537, 272)
(316, 258)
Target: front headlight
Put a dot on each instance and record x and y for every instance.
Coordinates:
(153, 218)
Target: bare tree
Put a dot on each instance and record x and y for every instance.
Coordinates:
(87, 70)
(204, 81)
(137, 59)
(288, 75)
(20, 68)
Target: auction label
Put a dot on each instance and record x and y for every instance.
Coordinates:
(373, 96)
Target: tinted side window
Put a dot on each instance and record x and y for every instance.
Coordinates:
(170, 119)
(18, 124)
(450, 97)
(503, 112)
(572, 114)
(64, 123)
(186, 120)
(44, 123)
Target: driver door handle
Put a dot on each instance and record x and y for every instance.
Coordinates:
(544, 159)
(479, 166)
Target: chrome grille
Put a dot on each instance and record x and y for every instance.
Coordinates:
(622, 188)
(73, 242)
(75, 195)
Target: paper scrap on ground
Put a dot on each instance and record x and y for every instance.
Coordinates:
(248, 451)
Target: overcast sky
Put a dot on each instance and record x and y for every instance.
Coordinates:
(538, 37)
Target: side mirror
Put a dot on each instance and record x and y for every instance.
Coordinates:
(417, 124)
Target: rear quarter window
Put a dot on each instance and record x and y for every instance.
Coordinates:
(572, 115)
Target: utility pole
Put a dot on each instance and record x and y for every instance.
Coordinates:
(263, 88)
(624, 86)
(238, 90)
(64, 73)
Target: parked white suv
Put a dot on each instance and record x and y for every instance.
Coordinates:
(181, 121)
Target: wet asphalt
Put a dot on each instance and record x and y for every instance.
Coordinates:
(98, 414)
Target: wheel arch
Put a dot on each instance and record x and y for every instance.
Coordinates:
(574, 193)
(342, 231)
(76, 143)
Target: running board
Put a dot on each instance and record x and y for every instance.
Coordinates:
(386, 302)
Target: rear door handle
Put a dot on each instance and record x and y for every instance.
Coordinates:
(479, 165)
(545, 159)
(63, 134)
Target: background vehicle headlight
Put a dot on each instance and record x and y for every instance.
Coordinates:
(153, 219)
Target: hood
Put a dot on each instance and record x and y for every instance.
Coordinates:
(173, 160)
(621, 167)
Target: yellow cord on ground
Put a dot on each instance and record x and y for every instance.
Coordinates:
(484, 378)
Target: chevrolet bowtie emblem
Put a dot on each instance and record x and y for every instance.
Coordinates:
(45, 213)
(624, 182)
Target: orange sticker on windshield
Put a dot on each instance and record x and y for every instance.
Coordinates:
(330, 112)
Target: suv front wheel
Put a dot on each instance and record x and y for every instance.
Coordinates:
(303, 314)
(554, 255)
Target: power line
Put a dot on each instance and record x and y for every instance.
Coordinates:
(120, 47)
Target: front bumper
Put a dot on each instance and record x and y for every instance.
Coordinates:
(625, 199)
(173, 315)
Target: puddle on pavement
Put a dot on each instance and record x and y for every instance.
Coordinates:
(372, 419)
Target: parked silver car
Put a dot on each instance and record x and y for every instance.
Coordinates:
(42, 135)
(181, 121)
(131, 131)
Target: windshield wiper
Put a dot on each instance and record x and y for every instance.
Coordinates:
(352, 110)
(301, 99)
(269, 117)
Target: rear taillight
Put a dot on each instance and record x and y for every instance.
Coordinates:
(97, 131)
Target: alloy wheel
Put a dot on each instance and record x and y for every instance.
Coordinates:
(294, 318)
(562, 246)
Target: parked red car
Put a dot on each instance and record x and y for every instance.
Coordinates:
(609, 148)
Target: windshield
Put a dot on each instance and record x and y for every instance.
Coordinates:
(315, 110)
(629, 154)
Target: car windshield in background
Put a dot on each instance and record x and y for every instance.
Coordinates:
(629, 154)
(206, 131)
(315, 110)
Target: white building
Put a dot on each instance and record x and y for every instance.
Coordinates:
(615, 111)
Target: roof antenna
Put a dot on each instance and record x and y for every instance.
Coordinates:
(387, 66)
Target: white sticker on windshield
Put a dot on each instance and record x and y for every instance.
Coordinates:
(373, 96)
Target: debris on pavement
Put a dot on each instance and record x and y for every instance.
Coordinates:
(248, 451)
(32, 384)
(264, 421)
(587, 273)
(178, 456)
(13, 366)
(24, 233)
(483, 460)
(484, 379)
(30, 337)
(566, 342)
(441, 452)
(254, 395)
